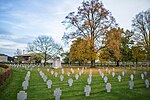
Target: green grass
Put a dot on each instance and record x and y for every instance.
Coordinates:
(38, 90)
(2, 69)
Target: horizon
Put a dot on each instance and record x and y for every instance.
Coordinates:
(22, 21)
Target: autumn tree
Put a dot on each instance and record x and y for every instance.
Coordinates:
(80, 51)
(90, 22)
(113, 41)
(138, 54)
(141, 26)
(127, 42)
(45, 45)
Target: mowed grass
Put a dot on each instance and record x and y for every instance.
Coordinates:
(38, 90)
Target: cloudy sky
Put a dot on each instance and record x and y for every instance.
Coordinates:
(21, 21)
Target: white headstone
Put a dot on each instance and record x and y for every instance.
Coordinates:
(25, 85)
(113, 74)
(21, 95)
(49, 83)
(147, 83)
(76, 76)
(56, 74)
(68, 73)
(131, 77)
(52, 72)
(62, 71)
(70, 81)
(89, 80)
(105, 79)
(47, 69)
(123, 73)
(108, 87)
(142, 76)
(119, 78)
(102, 75)
(131, 84)
(87, 90)
(113, 69)
(45, 78)
(61, 77)
(145, 73)
(134, 72)
(57, 93)
(108, 71)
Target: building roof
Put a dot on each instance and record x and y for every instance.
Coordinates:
(26, 55)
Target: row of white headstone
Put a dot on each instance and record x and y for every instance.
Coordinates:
(22, 95)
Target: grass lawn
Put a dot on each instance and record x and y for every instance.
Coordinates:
(38, 90)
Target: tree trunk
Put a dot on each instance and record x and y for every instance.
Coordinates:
(45, 58)
(117, 62)
(92, 63)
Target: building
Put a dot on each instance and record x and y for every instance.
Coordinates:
(5, 58)
(25, 58)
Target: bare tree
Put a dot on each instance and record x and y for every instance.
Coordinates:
(91, 22)
(46, 45)
(141, 26)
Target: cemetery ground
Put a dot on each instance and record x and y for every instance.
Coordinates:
(37, 89)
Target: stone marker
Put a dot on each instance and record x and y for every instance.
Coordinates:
(123, 73)
(119, 78)
(68, 73)
(113, 74)
(102, 75)
(113, 69)
(142, 76)
(62, 71)
(131, 77)
(70, 81)
(78, 69)
(47, 69)
(131, 84)
(147, 83)
(57, 93)
(21, 95)
(108, 87)
(105, 79)
(45, 78)
(61, 77)
(80, 73)
(134, 72)
(76, 76)
(56, 74)
(87, 90)
(145, 73)
(52, 72)
(108, 71)
(25, 85)
(89, 80)
(49, 83)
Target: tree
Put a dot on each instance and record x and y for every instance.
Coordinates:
(79, 51)
(18, 52)
(127, 42)
(37, 57)
(141, 26)
(46, 45)
(65, 57)
(138, 54)
(91, 22)
(113, 41)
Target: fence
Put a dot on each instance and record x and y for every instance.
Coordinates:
(6, 74)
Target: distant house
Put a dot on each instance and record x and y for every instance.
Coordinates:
(5, 58)
(25, 58)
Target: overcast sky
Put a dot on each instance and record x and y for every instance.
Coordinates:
(21, 21)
